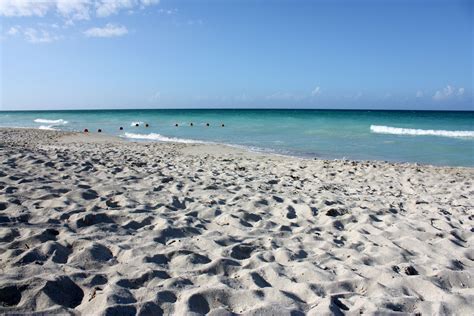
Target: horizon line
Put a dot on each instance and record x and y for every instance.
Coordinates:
(238, 108)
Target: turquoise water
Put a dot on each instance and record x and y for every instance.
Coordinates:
(439, 138)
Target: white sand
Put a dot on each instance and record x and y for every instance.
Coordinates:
(93, 225)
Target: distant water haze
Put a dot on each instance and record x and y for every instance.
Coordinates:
(439, 138)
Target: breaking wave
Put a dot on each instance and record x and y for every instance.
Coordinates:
(161, 138)
(380, 129)
(51, 122)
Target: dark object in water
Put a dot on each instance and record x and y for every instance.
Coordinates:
(121, 128)
(99, 130)
(191, 124)
(176, 124)
(207, 124)
(222, 125)
(146, 125)
(86, 130)
(137, 124)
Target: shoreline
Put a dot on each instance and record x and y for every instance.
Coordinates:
(94, 136)
(93, 224)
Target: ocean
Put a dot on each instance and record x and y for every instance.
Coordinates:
(427, 137)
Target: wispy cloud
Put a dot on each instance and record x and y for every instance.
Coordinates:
(447, 93)
(316, 91)
(39, 36)
(24, 7)
(110, 30)
(33, 35)
(106, 8)
(168, 11)
(74, 9)
(69, 12)
(70, 9)
(13, 30)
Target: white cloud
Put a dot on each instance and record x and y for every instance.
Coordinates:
(74, 9)
(109, 7)
(419, 94)
(106, 8)
(443, 94)
(39, 36)
(70, 9)
(110, 30)
(33, 35)
(24, 7)
(149, 2)
(168, 11)
(316, 91)
(13, 31)
(447, 93)
(68, 12)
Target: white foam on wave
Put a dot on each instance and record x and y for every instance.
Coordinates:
(161, 138)
(47, 127)
(135, 123)
(380, 129)
(51, 122)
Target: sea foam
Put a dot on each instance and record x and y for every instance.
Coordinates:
(161, 138)
(47, 127)
(51, 122)
(380, 129)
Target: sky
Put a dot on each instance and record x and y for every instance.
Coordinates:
(93, 54)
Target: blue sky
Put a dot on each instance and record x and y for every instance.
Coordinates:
(71, 54)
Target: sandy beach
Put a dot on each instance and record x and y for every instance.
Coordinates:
(95, 225)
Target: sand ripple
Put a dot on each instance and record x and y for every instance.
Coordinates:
(97, 226)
